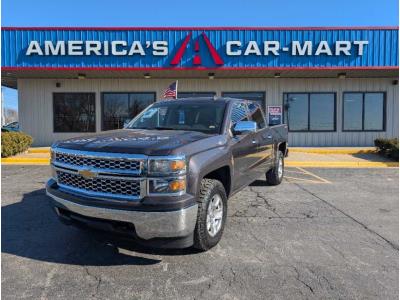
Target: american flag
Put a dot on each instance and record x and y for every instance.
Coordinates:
(171, 91)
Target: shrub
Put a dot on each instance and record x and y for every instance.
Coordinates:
(14, 142)
(388, 147)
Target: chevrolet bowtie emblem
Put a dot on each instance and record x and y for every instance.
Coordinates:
(87, 174)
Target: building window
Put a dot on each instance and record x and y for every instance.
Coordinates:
(364, 111)
(195, 94)
(258, 97)
(74, 112)
(310, 111)
(119, 108)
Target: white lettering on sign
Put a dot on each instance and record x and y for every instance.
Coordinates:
(58, 49)
(116, 48)
(360, 45)
(233, 44)
(297, 49)
(252, 48)
(271, 46)
(160, 48)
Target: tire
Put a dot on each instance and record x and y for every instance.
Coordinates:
(211, 192)
(275, 176)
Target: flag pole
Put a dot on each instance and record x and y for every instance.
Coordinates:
(176, 93)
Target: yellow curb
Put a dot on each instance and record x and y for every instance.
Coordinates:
(25, 161)
(341, 164)
(332, 151)
(39, 150)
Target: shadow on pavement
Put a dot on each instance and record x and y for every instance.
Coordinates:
(31, 229)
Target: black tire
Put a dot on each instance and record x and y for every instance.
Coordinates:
(273, 177)
(202, 238)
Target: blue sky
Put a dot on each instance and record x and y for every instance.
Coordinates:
(196, 13)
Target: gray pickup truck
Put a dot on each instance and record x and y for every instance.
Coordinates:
(166, 178)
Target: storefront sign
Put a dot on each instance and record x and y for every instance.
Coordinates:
(274, 115)
(157, 48)
(161, 48)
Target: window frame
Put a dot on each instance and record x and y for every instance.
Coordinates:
(308, 111)
(363, 111)
(263, 105)
(54, 114)
(119, 92)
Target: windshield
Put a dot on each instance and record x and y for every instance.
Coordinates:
(193, 116)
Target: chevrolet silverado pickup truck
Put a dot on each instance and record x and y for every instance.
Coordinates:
(165, 179)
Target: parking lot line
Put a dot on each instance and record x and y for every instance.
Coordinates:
(314, 175)
(304, 176)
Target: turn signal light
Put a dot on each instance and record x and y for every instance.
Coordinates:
(177, 185)
(177, 165)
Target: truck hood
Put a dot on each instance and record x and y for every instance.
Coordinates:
(134, 141)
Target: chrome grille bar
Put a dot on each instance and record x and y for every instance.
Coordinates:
(120, 163)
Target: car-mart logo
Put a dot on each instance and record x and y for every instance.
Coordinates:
(197, 58)
(192, 49)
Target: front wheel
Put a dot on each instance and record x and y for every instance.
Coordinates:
(275, 175)
(211, 214)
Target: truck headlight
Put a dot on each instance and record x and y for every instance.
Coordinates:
(167, 165)
(167, 185)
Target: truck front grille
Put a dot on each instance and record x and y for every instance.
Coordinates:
(109, 186)
(133, 165)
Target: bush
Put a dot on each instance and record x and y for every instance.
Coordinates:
(388, 147)
(14, 142)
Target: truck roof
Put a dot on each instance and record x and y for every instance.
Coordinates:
(202, 99)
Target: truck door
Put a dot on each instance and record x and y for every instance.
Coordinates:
(264, 138)
(244, 149)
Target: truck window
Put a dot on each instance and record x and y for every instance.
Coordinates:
(256, 115)
(239, 113)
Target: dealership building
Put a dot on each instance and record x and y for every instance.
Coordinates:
(332, 86)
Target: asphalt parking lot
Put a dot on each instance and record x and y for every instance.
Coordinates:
(323, 233)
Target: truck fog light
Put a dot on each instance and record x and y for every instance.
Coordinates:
(167, 186)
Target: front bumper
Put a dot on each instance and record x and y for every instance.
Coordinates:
(147, 224)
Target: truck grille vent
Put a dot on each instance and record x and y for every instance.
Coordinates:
(98, 162)
(100, 185)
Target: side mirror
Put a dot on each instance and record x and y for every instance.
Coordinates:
(243, 127)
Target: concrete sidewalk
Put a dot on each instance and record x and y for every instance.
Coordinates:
(298, 157)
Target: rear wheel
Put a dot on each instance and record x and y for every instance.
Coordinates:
(275, 175)
(211, 214)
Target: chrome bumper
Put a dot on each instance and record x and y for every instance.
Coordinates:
(148, 225)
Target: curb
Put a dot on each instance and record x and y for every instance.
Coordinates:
(333, 151)
(25, 161)
(39, 150)
(341, 164)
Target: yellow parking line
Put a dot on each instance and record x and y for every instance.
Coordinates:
(302, 179)
(313, 175)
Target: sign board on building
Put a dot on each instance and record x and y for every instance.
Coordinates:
(188, 48)
(274, 115)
